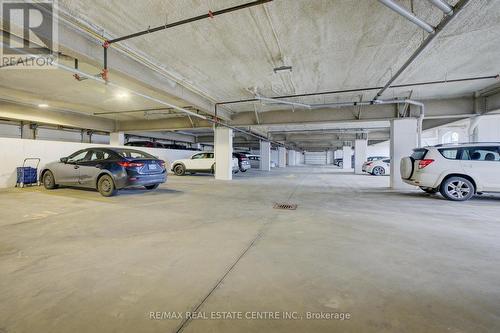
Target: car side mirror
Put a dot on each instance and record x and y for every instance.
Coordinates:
(64, 160)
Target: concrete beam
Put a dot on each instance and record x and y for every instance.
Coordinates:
(77, 42)
(175, 123)
(59, 118)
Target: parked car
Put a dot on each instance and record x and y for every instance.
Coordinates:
(340, 162)
(371, 159)
(243, 161)
(105, 169)
(146, 144)
(378, 167)
(254, 161)
(203, 162)
(457, 171)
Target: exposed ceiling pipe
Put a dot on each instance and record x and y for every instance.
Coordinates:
(278, 101)
(444, 22)
(331, 92)
(408, 15)
(420, 117)
(153, 99)
(210, 14)
(443, 6)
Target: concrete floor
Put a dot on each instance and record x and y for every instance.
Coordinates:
(73, 261)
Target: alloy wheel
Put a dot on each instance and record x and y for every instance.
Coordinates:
(458, 189)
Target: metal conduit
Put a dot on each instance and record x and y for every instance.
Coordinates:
(443, 6)
(408, 15)
(444, 22)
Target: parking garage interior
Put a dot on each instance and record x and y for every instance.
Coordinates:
(308, 239)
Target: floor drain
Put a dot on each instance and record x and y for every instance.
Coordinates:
(288, 206)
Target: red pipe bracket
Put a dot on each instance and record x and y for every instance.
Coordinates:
(211, 14)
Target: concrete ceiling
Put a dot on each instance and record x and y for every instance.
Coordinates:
(331, 45)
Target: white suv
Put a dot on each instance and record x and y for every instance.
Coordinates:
(458, 171)
(203, 162)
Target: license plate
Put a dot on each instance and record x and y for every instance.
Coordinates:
(153, 167)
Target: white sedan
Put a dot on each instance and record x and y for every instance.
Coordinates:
(379, 167)
(202, 162)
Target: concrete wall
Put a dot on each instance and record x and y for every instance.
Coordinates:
(14, 151)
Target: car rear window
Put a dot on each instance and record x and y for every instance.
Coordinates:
(449, 153)
(419, 154)
(132, 153)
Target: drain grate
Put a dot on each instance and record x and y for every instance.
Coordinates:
(287, 206)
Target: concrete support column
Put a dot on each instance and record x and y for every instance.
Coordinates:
(281, 157)
(329, 157)
(223, 148)
(360, 154)
(117, 138)
(403, 140)
(292, 157)
(347, 157)
(265, 155)
(486, 129)
(28, 131)
(86, 136)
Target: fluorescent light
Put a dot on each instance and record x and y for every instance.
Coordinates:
(43, 106)
(122, 95)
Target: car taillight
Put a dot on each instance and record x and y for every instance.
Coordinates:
(423, 163)
(161, 163)
(130, 164)
(369, 163)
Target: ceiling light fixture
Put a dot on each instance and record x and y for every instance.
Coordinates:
(43, 106)
(122, 95)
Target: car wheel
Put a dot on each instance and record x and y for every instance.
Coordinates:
(152, 187)
(213, 169)
(180, 170)
(243, 170)
(457, 189)
(378, 171)
(106, 186)
(429, 190)
(48, 180)
(341, 164)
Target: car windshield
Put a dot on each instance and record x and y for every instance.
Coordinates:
(132, 153)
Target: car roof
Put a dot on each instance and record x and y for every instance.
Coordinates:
(471, 144)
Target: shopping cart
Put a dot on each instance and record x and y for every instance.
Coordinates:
(27, 175)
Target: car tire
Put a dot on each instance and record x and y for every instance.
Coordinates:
(152, 187)
(378, 171)
(179, 170)
(106, 186)
(457, 189)
(429, 190)
(341, 164)
(243, 170)
(48, 180)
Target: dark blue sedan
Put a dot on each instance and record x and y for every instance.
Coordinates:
(105, 169)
